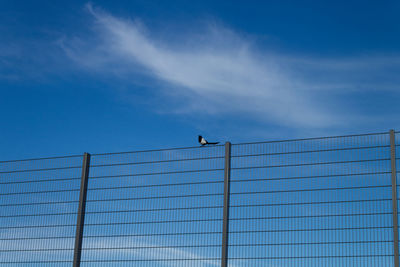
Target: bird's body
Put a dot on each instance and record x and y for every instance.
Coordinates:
(204, 142)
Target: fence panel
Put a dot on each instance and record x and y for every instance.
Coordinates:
(312, 202)
(155, 208)
(38, 205)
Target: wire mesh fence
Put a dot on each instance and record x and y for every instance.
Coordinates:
(314, 202)
(306, 202)
(155, 208)
(38, 211)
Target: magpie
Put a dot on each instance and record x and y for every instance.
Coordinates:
(204, 142)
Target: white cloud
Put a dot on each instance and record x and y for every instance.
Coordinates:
(116, 248)
(222, 73)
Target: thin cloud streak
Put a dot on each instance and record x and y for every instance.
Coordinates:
(100, 249)
(221, 74)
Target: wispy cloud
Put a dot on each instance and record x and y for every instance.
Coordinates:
(116, 248)
(220, 72)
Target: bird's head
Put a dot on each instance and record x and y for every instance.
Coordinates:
(200, 137)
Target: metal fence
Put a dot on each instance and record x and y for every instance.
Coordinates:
(328, 201)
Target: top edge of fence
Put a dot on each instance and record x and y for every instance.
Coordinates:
(155, 150)
(198, 147)
(312, 138)
(220, 145)
(44, 158)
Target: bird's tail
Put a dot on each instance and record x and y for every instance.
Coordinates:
(213, 143)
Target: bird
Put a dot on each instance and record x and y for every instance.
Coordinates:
(204, 142)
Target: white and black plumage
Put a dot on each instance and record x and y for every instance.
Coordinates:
(204, 142)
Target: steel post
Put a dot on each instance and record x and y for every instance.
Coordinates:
(81, 210)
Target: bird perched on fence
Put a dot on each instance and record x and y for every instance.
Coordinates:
(204, 142)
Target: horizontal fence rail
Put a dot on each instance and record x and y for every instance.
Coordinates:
(329, 201)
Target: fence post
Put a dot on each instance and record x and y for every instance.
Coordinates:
(394, 198)
(81, 210)
(225, 226)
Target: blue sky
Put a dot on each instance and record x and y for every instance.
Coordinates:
(106, 77)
